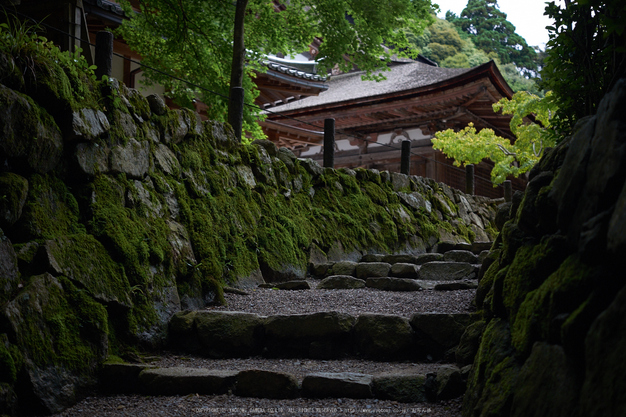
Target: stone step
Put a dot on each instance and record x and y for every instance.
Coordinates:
(404, 382)
(325, 335)
(453, 265)
(346, 282)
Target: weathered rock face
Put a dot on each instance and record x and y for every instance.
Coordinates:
(551, 295)
(122, 212)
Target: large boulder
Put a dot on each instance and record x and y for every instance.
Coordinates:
(132, 159)
(14, 189)
(85, 261)
(62, 335)
(30, 140)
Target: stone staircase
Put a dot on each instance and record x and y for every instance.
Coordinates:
(427, 353)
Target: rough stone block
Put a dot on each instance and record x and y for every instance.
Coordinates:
(185, 381)
(266, 384)
(401, 387)
(337, 385)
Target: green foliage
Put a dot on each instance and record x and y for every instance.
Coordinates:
(28, 50)
(493, 33)
(192, 40)
(469, 146)
(586, 56)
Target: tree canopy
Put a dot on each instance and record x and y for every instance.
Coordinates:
(193, 40)
(451, 47)
(492, 32)
(585, 56)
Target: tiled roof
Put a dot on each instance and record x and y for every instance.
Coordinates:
(346, 87)
(107, 5)
(293, 71)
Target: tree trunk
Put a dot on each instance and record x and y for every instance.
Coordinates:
(235, 102)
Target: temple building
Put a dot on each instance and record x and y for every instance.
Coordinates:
(373, 118)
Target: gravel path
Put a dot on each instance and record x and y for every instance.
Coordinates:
(271, 302)
(297, 367)
(365, 300)
(232, 406)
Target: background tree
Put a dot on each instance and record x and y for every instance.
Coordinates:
(193, 40)
(450, 47)
(585, 56)
(493, 33)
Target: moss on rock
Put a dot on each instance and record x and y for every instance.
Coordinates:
(561, 293)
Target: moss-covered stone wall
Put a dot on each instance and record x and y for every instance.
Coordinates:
(116, 212)
(552, 294)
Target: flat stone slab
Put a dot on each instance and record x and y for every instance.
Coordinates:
(120, 377)
(400, 386)
(340, 282)
(447, 271)
(182, 381)
(460, 256)
(456, 285)
(427, 285)
(337, 385)
(393, 284)
(478, 247)
(266, 384)
(288, 285)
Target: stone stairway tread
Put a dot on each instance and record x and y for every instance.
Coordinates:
(403, 382)
(327, 335)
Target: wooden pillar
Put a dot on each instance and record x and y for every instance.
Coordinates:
(469, 179)
(104, 53)
(508, 191)
(405, 157)
(329, 143)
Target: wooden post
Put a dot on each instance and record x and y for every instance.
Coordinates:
(469, 179)
(329, 143)
(405, 157)
(508, 191)
(104, 53)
